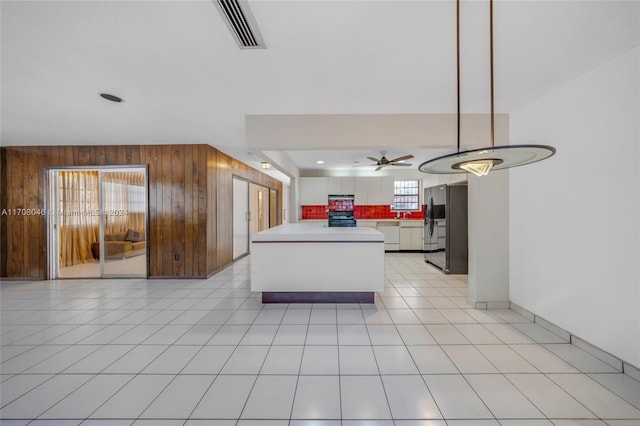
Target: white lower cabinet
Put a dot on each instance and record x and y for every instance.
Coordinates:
(398, 234)
(391, 231)
(411, 237)
(367, 223)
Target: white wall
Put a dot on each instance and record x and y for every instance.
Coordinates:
(488, 275)
(574, 231)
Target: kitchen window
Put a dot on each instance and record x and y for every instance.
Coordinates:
(406, 195)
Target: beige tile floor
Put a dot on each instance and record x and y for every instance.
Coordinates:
(134, 265)
(207, 352)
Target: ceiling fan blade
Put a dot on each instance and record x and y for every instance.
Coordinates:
(378, 168)
(375, 160)
(405, 157)
(401, 164)
(365, 165)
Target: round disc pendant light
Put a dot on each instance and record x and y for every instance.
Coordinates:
(482, 160)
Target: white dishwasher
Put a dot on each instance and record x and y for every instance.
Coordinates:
(391, 231)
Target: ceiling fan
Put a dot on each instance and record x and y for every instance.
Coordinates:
(382, 162)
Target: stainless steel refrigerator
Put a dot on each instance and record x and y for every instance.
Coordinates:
(445, 228)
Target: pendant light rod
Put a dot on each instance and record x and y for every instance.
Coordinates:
(458, 69)
(481, 161)
(491, 71)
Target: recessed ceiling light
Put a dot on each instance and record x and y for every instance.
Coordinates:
(111, 98)
(319, 162)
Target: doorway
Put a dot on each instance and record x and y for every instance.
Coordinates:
(273, 208)
(240, 217)
(255, 208)
(97, 222)
(258, 208)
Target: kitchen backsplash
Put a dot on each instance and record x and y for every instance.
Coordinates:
(360, 212)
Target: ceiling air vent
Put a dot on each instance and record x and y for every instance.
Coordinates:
(241, 22)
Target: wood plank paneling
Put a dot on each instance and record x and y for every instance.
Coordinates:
(212, 193)
(66, 156)
(84, 155)
(111, 155)
(224, 200)
(3, 217)
(100, 155)
(190, 204)
(202, 209)
(34, 221)
(189, 247)
(148, 156)
(121, 155)
(164, 197)
(177, 212)
(17, 232)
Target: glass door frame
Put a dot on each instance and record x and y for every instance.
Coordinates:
(51, 207)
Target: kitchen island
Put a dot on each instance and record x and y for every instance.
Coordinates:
(303, 263)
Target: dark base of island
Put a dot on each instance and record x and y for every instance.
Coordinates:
(318, 297)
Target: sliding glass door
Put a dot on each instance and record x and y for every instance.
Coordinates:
(97, 222)
(74, 228)
(123, 246)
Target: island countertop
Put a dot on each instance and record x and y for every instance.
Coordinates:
(302, 263)
(301, 232)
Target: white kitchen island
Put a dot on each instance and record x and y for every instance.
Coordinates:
(307, 263)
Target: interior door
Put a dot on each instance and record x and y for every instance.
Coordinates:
(123, 222)
(240, 217)
(273, 208)
(258, 208)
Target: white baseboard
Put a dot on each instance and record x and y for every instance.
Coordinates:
(591, 349)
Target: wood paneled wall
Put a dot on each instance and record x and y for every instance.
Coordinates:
(190, 204)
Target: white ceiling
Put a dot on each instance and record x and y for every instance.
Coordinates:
(184, 80)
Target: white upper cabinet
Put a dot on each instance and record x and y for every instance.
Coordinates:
(307, 190)
(322, 191)
(373, 191)
(368, 191)
(314, 191)
(341, 186)
(360, 190)
(386, 191)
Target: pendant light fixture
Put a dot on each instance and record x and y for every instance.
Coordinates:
(482, 160)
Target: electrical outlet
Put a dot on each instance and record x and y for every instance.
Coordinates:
(176, 256)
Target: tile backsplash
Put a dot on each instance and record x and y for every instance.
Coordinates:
(360, 212)
(315, 212)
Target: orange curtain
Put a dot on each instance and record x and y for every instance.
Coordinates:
(124, 199)
(78, 218)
